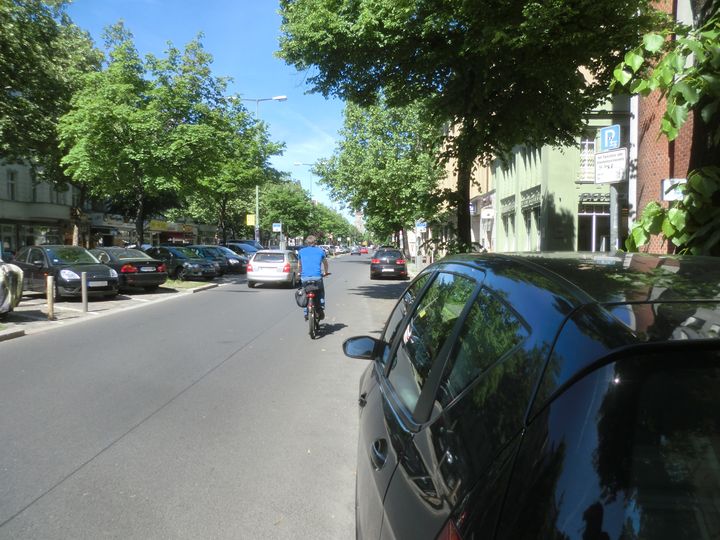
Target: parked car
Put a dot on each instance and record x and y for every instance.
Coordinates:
(355, 250)
(250, 242)
(134, 267)
(544, 396)
(11, 286)
(183, 263)
(236, 263)
(388, 263)
(212, 254)
(273, 266)
(245, 250)
(65, 264)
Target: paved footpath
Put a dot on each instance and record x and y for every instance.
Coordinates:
(31, 315)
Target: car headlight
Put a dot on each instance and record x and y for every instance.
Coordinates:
(68, 274)
(233, 261)
(217, 265)
(113, 273)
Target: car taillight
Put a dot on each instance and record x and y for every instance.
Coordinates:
(310, 295)
(400, 261)
(286, 268)
(161, 268)
(128, 269)
(449, 532)
(249, 267)
(375, 261)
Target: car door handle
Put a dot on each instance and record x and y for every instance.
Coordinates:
(362, 400)
(378, 453)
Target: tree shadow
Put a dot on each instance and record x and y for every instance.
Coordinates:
(386, 291)
(328, 329)
(559, 226)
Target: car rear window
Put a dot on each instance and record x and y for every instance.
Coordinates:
(390, 254)
(269, 257)
(124, 254)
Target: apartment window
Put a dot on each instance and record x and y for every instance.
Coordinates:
(587, 160)
(11, 185)
(594, 227)
(527, 217)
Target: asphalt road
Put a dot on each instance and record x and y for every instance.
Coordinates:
(210, 415)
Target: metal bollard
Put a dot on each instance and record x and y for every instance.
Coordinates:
(83, 290)
(50, 291)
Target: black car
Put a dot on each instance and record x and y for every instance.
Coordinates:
(134, 268)
(212, 254)
(183, 263)
(66, 264)
(547, 396)
(246, 250)
(388, 263)
(236, 263)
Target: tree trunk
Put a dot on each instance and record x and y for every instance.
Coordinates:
(76, 213)
(465, 163)
(140, 218)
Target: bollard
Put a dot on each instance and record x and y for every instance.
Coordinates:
(50, 288)
(83, 290)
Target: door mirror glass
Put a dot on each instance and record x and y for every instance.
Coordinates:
(38, 264)
(363, 347)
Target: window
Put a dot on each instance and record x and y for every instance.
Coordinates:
(587, 160)
(425, 334)
(403, 306)
(490, 330)
(11, 185)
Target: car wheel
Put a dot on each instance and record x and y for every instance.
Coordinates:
(251, 284)
(181, 273)
(56, 293)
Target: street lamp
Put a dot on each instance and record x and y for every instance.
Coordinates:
(258, 100)
(257, 189)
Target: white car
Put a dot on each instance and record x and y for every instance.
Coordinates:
(273, 266)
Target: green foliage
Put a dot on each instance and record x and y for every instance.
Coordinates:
(693, 224)
(504, 73)
(686, 72)
(42, 59)
(385, 165)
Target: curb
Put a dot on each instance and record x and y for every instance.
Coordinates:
(6, 335)
(204, 287)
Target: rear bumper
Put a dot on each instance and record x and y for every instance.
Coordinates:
(392, 271)
(142, 280)
(269, 278)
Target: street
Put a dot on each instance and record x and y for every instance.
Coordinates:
(210, 415)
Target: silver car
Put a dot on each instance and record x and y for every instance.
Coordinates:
(273, 266)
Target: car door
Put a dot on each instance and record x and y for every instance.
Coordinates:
(38, 267)
(389, 424)
(21, 261)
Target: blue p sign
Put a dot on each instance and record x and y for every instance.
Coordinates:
(609, 138)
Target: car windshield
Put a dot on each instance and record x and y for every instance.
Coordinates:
(226, 251)
(185, 253)
(70, 255)
(269, 257)
(390, 254)
(125, 254)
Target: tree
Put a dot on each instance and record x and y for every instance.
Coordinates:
(682, 64)
(286, 203)
(143, 129)
(385, 165)
(502, 73)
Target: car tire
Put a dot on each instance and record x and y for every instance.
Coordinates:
(181, 273)
(251, 284)
(56, 294)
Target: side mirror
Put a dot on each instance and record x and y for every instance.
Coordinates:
(363, 347)
(38, 264)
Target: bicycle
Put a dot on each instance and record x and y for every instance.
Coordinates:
(313, 312)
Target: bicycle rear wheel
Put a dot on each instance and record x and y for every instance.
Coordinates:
(312, 322)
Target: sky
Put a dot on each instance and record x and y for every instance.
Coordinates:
(242, 36)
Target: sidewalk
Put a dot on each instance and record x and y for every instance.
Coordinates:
(31, 315)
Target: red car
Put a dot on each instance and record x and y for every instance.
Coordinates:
(363, 250)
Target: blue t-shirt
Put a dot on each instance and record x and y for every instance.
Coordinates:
(311, 258)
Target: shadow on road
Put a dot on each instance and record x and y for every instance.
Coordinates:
(387, 291)
(327, 329)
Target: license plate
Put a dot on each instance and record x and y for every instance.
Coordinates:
(388, 269)
(147, 268)
(97, 283)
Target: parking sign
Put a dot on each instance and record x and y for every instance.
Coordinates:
(610, 138)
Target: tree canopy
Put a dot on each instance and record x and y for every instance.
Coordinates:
(385, 165)
(504, 73)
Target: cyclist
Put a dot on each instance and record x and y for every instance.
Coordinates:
(313, 266)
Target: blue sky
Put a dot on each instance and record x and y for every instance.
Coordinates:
(242, 36)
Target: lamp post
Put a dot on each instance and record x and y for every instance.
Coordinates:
(257, 189)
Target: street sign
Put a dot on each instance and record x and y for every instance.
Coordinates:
(277, 227)
(250, 219)
(609, 138)
(610, 167)
(421, 226)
